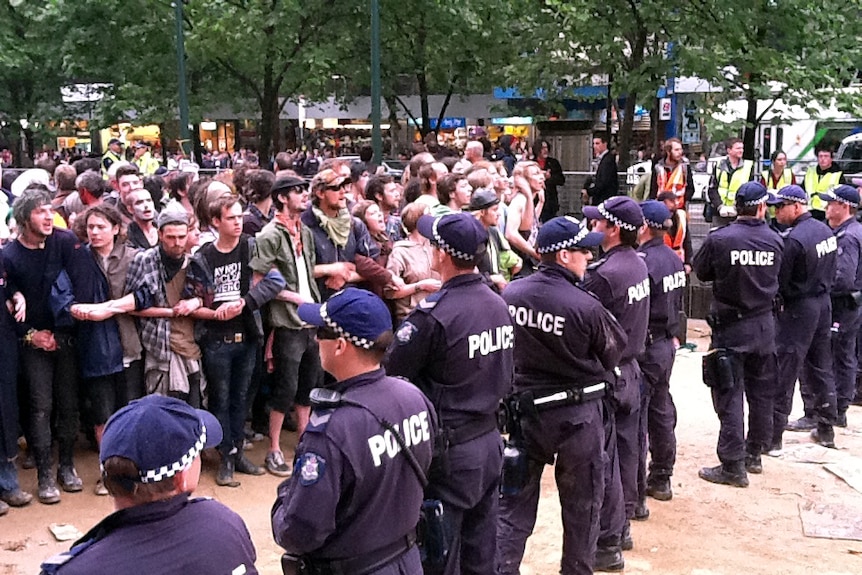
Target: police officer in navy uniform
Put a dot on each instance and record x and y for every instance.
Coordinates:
(620, 281)
(566, 349)
(353, 502)
(658, 413)
(841, 206)
(804, 321)
(457, 347)
(150, 459)
(742, 259)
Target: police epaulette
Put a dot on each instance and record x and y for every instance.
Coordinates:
(596, 265)
(718, 228)
(841, 233)
(642, 255)
(785, 233)
(429, 302)
(319, 419)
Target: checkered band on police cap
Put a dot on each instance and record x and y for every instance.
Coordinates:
(792, 193)
(841, 194)
(449, 249)
(355, 340)
(165, 471)
(567, 243)
(615, 220)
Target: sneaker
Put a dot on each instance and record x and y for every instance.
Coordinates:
(244, 465)
(802, 424)
(100, 488)
(276, 465)
(48, 493)
(16, 498)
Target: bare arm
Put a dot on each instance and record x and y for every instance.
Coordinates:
(513, 224)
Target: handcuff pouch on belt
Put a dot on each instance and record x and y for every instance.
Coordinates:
(718, 369)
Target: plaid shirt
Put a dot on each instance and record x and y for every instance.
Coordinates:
(146, 279)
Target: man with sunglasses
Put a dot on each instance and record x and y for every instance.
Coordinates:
(456, 346)
(288, 246)
(567, 347)
(353, 504)
(803, 323)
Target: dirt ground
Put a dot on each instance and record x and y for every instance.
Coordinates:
(705, 530)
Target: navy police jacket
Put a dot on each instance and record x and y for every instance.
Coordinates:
(742, 259)
(564, 336)
(667, 285)
(620, 281)
(809, 259)
(456, 346)
(848, 271)
(352, 490)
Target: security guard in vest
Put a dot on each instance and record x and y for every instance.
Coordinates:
(820, 179)
(456, 346)
(778, 175)
(114, 154)
(841, 207)
(667, 278)
(566, 349)
(804, 319)
(742, 260)
(678, 236)
(353, 502)
(731, 173)
(146, 163)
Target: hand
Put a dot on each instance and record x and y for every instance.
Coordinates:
(187, 306)
(19, 307)
(429, 285)
(687, 268)
(92, 312)
(343, 270)
(335, 282)
(44, 339)
(229, 310)
(396, 283)
(676, 343)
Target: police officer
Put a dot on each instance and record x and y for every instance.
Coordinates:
(841, 206)
(658, 413)
(150, 458)
(742, 260)
(457, 347)
(803, 324)
(114, 154)
(620, 281)
(566, 349)
(363, 456)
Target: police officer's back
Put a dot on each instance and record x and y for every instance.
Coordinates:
(353, 502)
(150, 456)
(742, 260)
(457, 347)
(567, 347)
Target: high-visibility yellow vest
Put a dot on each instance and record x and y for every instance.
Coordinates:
(785, 180)
(109, 155)
(728, 185)
(815, 184)
(147, 164)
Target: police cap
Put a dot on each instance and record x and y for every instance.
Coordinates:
(752, 193)
(844, 194)
(460, 235)
(791, 193)
(357, 315)
(564, 233)
(621, 211)
(656, 214)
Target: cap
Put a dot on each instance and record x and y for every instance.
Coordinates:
(483, 198)
(161, 171)
(288, 182)
(171, 215)
(752, 193)
(141, 144)
(566, 232)
(662, 196)
(28, 178)
(327, 178)
(656, 214)
(113, 141)
(791, 193)
(357, 315)
(621, 211)
(460, 235)
(161, 435)
(844, 194)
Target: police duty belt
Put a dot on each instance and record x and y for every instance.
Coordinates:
(527, 404)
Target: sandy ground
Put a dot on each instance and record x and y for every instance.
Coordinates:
(705, 530)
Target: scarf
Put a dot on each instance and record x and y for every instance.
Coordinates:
(337, 228)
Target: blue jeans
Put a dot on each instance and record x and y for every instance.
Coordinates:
(228, 369)
(8, 476)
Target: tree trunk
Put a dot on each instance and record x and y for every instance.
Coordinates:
(748, 135)
(627, 125)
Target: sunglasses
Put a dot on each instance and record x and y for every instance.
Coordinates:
(340, 186)
(327, 333)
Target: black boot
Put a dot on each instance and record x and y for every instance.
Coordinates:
(626, 541)
(641, 511)
(753, 463)
(609, 556)
(658, 487)
(224, 477)
(242, 464)
(67, 477)
(841, 418)
(857, 398)
(804, 423)
(726, 474)
(824, 435)
(48, 492)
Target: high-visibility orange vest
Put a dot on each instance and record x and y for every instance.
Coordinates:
(676, 242)
(672, 181)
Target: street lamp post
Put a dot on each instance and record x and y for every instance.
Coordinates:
(376, 140)
(181, 79)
